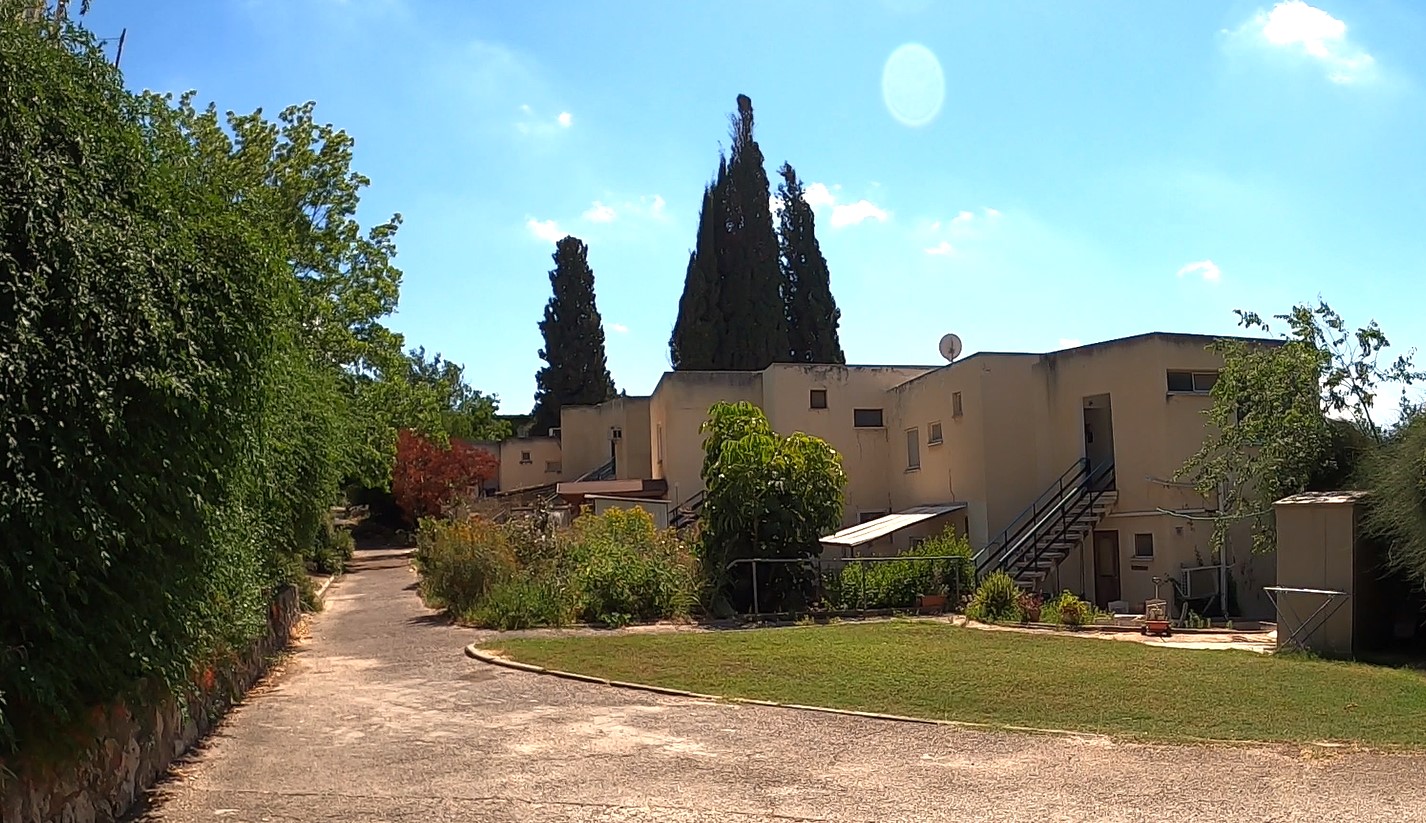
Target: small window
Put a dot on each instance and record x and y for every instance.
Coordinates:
(913, 449)
(1192, 382)
(659, 428)
(1143, 545)
(525, 457)
(867, 517)
(818, 399)
(956, 404)
(933, 433)
(552, 467)
(867, 418)
(616, 433)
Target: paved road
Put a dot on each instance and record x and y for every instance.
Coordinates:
(379, 716)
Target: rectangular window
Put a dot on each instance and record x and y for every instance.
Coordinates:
(616, 433)
(552, 467)
(525, 457)
(818, 399)
(866, 517)
(956, 404)
(1143, 545)
(1192, 382)
(913, 449)
(660, 439)
(867, 418)
(933, 433)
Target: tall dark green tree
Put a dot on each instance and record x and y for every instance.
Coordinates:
(731, 315)
(578, 370)
(811, 312)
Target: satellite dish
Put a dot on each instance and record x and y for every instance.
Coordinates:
(950, 347)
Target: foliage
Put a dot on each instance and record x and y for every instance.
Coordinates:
(811, 313)
(1025, 679)
(996, 600)
(1067, 609)
(578, 371)
(1272, 436)
(767, 496)
(612, 568)
(895, 584)
(462, 412)
(1396, 476)
(731, 313)
(1031, 605)
(426, 476)
(331, 549)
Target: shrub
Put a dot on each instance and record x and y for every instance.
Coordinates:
(997, 600)
(895, 584)
(624, 569)
(1031, 607)
(426, 476)
(1067, 610)
(522, 602)
(461, 562)
(331, 549)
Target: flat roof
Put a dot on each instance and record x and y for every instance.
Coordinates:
(1323, 498)
(864, 533)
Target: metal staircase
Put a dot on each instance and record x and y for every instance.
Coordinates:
(686, 513)
(1057, 521)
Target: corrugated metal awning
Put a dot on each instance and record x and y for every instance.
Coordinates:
(864, 533)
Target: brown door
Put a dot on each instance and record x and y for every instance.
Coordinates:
(1106, 568)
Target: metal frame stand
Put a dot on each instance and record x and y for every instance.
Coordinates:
(1331, 602)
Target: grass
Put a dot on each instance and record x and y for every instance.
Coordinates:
(1007, 678)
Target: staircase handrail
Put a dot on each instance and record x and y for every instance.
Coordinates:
(986, 559)
(1099, 483)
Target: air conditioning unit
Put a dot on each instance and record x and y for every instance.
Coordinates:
(554, 431)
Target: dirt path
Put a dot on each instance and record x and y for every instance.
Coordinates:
(379, 716)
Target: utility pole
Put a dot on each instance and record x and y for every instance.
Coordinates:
(119, 55)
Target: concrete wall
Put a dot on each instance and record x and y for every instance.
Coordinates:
(528, 461)
(586, 437)
(1316, 549)
(126, 746)
(677, 408)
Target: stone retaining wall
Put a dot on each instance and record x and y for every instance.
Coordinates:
(124, 749)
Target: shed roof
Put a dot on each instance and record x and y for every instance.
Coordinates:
(864, 533)
(1323, 498)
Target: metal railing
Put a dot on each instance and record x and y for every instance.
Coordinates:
(1068, 516)
(686, 512)
(988, 559)
(822, 589)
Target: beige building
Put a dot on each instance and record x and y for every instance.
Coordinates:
(1058, 466)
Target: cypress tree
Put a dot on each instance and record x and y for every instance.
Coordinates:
(578, 370)
(731, 315)
(812, 315)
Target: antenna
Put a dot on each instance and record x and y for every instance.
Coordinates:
(950, 347)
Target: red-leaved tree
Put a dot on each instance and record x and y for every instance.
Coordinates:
(427, 477)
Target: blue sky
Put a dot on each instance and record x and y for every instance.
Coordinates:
(1081, 171)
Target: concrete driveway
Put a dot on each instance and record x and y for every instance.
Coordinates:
(379, 716)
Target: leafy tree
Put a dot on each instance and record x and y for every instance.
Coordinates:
(767, 496)
(1396, 477)
(578, 370)
(731, 315)
(1290, 415)
(811, 311)
(465, 413)
(427, 476)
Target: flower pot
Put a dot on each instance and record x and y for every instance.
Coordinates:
(931, 602)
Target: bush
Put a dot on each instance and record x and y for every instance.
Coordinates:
(331, 550)
(461, 562)
(1067, 610)
(1031, 607)
(613, 568)
(895, 584)
(997, 600)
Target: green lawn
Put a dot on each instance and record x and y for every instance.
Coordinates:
(1007, 678)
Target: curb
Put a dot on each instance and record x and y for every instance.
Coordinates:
(495, 660)
(322, 592)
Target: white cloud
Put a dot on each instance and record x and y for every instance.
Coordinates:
(565, 119)
(617, 328)
(547, 230)
(991, 214)
(943, 248)
(600, 213)
(525, 108)
(853, 213)
(1070, 343)
(963, 217)
(818, 195)
(1294, 25)
(1207, 269)
(656, 206)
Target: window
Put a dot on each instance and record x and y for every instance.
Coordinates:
(552, 467)
(659, 428)
(866, 418)
(866, 517)
(555, 432)
(933, 433)
(616, 433)
(956, 404)
(913, 449)
(525, 457)
(1192, 382)
(818, 399)
(1143, 545)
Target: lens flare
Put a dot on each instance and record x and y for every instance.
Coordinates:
(913, 85)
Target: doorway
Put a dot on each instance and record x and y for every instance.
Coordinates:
(1106, 568)
(1099, 432)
